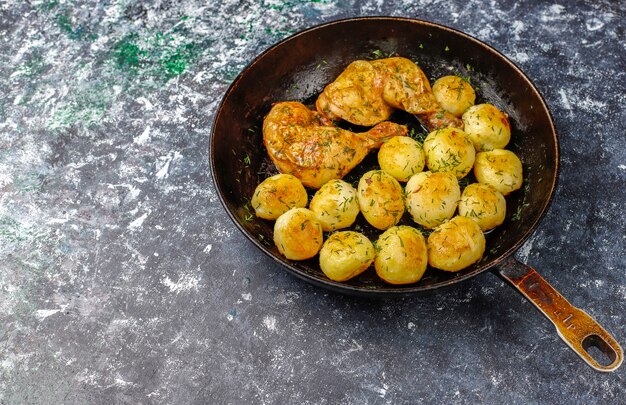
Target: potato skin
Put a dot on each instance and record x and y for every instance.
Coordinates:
(345, 255)
(499, 168)
(484, 204)
(456, 244)
(402, 255)
(380, 199)
(336, 205)
(432, 197)
(454, 94)
(487, 127)
(449, 150)
(298, 234)
(277, 195)
(401, 157)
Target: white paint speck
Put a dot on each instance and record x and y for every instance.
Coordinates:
(133, 192)
(521, 57)
(186, 282)
(42, 314)
(246, 296)
(524, 251)
(207, 249)
(143, 138)
(145, 102)
(591, 105)
(57, 221)
(122, 383)
(517, 27)
(594, 24)
(623, 167)
(565, 100)
(164, 164)
(411, 326)
(137, 223)
(270, 322)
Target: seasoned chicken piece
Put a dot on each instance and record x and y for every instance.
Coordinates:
(299, 145)
(356, 96)
(367, 92)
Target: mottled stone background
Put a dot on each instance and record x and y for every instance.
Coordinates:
(122, 280)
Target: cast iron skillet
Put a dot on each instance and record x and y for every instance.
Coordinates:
(299, 67)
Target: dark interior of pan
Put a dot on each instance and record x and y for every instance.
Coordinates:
(298, 69)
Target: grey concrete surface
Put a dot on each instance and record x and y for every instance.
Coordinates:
(123, 281)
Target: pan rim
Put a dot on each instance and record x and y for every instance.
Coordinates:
(391, 291)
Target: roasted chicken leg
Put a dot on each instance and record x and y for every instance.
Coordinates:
(367, 92)
(300, 145)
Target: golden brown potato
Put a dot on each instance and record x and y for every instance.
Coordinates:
(454, 94)
(432, 197)
(298, 234)
(401, 157)
(484, 204)
(345, 255)
(402, 255)
(380, 199)
(499, 168)
(487, 127)
(449, 150)
(335, 205)
(277, 195)
(456, 244)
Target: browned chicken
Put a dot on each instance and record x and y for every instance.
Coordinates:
(300, 145)
(367, 92)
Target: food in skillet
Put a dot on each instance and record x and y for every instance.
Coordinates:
(487, 127)
(380, 199)
(401, 157)
(299, 144)
(277, 195)
(454, 94)
(298, 234)
(402, 255)
(335, 205)
(499, 168)
(346, 254)
(484, 204)
(449, 150)
(311, 152)
(432, 197)
(456, 244)
(367, 92)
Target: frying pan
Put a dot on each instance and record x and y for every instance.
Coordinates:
(299, 67)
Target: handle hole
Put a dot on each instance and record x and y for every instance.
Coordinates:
(599, 350)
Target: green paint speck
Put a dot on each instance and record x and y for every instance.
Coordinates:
(164, 55)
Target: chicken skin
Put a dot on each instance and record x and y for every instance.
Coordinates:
(300, 145)
(367, 92)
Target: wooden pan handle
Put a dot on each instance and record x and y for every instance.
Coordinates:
(579, 330)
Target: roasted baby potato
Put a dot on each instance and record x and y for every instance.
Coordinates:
(484, 204)
(335, 205)
(402, 256)
(487, 127)
(277, 195)
(449, 150)
(432, 197)
(380, 199)
(345, 255)
(298, 234)
(401, 157)
(499, 168)
(454, 94)
(456, 244)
